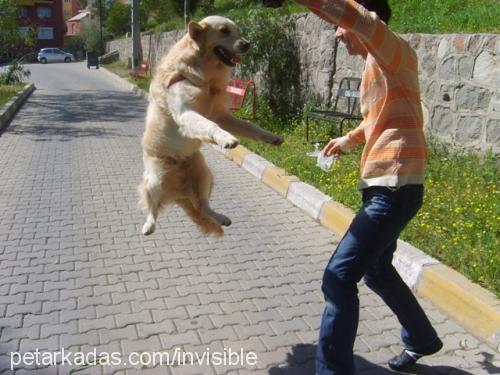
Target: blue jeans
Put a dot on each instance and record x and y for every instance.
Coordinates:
(366, 250)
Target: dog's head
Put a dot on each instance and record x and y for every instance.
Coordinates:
(220, 37)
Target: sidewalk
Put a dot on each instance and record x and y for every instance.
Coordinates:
(78, 274)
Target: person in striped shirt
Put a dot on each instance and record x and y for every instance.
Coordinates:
(392, 176)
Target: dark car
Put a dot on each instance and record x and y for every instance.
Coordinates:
(92, 60)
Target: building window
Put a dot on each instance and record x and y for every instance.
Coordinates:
(44, 12)
(45, 33)
(23, 31)
(22, 11)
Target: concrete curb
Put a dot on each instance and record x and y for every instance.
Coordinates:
(10, 108)
(477, 309)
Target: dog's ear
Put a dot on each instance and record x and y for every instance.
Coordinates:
(196, 30)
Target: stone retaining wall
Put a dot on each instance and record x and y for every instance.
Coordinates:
(459, 76)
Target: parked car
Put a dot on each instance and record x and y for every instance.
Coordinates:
(54, 54)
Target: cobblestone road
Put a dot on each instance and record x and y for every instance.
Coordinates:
(77, 274)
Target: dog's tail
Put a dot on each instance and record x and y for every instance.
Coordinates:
(205, 224)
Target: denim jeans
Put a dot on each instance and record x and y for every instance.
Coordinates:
(367, 250)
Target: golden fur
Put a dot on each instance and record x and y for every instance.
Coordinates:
(187, 106)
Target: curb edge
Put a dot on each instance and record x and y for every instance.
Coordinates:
(9, 109)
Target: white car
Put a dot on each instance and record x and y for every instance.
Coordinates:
(53, 55)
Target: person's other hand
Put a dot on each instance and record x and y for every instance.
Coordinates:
(335, 147)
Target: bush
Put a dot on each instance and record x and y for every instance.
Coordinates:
(14, 75)
(274, 54)
(91, 35)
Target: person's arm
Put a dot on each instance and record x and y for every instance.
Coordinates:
(388, 49)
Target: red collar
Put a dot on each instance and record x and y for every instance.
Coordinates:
(175, 79)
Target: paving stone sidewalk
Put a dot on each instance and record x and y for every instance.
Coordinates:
(77, 274)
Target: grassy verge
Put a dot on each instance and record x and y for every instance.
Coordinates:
(445, 16)
(408, 16)
(7, 92)
(458, 223)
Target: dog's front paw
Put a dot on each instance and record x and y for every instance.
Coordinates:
(222, 220)
(227, 141)
(274, 139)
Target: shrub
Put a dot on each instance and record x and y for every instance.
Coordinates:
(274, 55)
(91, 35)
(15, 74)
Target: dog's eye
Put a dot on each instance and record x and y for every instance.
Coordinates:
(225, 31)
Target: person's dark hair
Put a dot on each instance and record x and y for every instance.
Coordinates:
(381, 7)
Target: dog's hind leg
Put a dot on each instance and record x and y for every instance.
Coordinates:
(206, 224)
(150, 192)
(202, 184)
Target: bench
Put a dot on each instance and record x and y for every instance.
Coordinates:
(238, 90)
(141, 72)
(345, 108)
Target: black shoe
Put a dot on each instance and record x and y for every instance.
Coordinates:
(409, 357)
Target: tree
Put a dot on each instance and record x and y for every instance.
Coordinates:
(91, 36)
(119, 19)
(9, 35)
(164, 10)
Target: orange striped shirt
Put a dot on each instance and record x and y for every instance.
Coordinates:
(395, 150)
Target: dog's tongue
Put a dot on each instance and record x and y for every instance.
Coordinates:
(235, 59)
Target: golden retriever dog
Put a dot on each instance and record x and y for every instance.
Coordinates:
(188, 105)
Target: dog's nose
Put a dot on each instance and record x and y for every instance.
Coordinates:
(243, 45)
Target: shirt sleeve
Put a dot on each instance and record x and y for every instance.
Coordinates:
(355, 137)
(384, 45)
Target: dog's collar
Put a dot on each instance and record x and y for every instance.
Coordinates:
(175, 79)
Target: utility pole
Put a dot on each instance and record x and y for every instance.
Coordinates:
(186, 7)
(136, 36)
(100, 26)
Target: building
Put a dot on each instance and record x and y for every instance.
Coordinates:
(74, 24)
(70, 8)
(46, 17)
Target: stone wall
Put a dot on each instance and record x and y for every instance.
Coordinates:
(459, 76)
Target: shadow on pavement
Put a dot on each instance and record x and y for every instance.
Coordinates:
(301, 362)
(73, 114)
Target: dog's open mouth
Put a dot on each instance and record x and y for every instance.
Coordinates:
(228, 58)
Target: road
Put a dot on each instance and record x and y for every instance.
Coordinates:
(79, 276)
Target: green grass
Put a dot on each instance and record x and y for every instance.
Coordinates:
(408, 16)
(7, 92)
(445, 16)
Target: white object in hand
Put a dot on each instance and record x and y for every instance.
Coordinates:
(316, 151)
(326, 163)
